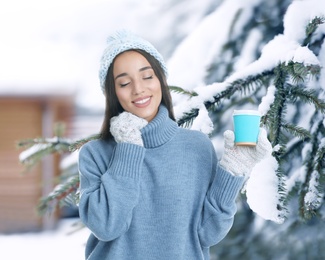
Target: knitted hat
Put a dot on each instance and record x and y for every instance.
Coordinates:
(119, 42)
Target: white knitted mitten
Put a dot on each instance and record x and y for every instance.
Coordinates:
(240, 160)
(126, 127)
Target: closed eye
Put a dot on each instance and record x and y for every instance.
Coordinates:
(124, 84)
(150, 77)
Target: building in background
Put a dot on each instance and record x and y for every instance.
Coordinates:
(24, 117)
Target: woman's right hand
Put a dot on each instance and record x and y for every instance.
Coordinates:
(126, 127)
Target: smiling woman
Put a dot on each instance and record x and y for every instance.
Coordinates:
(149, 188)
(137, 87)
(136, 66)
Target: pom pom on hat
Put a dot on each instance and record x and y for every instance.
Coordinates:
(119, 42)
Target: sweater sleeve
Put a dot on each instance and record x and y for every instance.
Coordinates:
(219, 207)
(109, 189)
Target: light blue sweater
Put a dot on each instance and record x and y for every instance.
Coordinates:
(166, 200)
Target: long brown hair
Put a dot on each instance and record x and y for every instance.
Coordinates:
(113, 107)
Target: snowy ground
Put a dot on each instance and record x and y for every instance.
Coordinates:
(61, 243)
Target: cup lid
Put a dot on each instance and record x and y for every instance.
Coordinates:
(247, 112)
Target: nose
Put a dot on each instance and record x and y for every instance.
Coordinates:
(137, 88)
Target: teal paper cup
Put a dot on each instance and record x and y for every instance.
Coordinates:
(246, 127)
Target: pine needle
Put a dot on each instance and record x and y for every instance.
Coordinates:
(297, 131)
(79, 143)
(59, 194)
(188, 118)
(180, 90)
(307, 96)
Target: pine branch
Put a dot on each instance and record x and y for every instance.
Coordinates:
(79, 143)
(320, 161)
(180, 90)
(307, 96)
(283, 199)
(59, 194)
(311, 28)
(310, 190)
(242, 85)
(27, 143)
(297, 131)
(318, 189)
(278, 109)
(319, 167)
(299, 71)
(188, 118)
(38, 148)
(279, 153)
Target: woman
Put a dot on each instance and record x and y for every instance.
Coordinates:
(150, 189)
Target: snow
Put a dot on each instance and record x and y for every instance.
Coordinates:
(262, 190)
(65, 242)
(200, 123)
(267, 100)
(32, 150)
(206, 40)
(305, 56)
(299, 14)
(312, 197)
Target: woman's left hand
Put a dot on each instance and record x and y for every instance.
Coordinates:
(240, 160)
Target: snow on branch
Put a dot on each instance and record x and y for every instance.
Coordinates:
(313, 186)
(37, 148)
(281, 50)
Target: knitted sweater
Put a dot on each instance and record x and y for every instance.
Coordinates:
(167, 200)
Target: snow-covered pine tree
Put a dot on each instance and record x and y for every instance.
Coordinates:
(286, 83)
(35, 150)
(274, 53)
(283, 74)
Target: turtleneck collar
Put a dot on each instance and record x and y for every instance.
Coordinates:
(160, 130)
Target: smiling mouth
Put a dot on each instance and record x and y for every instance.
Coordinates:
(142, 101)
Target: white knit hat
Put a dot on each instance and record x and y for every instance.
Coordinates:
(119, 42)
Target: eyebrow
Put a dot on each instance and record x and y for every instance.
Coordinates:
(125, 74)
